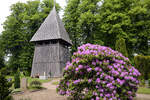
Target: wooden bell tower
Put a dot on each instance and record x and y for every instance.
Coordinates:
(51, 47)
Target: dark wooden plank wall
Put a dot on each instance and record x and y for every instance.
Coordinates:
(46, 59)
(50, 58)
(64, 55)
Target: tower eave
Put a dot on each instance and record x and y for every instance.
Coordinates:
(52, 28)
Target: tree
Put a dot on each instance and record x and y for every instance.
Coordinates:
(128, 19)
(80, 20)
(17, 79)
(1, 60)
(19, 27)
(121, 46)
(1, 56)
(4, 88)
(88, 20)
(70, 19)
(104, 21)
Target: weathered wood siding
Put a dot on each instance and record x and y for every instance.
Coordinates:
(64, 55)
(50, 58)
(46, 59)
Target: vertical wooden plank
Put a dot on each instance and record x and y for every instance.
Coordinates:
(50, 58)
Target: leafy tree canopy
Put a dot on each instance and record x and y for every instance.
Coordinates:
(105, 21)
(19, 27)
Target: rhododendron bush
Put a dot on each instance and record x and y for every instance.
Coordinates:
(98, 72)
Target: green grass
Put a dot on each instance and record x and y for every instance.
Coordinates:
(143, 90)
(12, 77)
(55, 83)
(35, 88)
(16, 90)
(37, 79)
(29, 81)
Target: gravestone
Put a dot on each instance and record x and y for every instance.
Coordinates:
(24, 83)
(43, 77)
(146, 83)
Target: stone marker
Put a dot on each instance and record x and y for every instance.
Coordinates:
(43, 77)
(24, 83)
(146, 83)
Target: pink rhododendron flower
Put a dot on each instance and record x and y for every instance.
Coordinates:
(98, 72)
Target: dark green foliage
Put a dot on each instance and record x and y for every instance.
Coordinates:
(1, 61)
(121, 46)
(149, 82)
(142, 82)
(1, 56)
(70, 19)
(19, 27)
(128, 19)
(35, 84)
(5, 88)
(17, 80)
(143, 65)
(80, 20)
(104, 21)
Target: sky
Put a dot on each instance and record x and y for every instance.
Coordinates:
(5, 9)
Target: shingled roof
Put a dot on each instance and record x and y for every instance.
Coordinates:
(52, 28)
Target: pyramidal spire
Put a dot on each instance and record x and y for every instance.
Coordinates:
(52, 29)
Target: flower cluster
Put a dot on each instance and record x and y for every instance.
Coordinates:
(98, 72)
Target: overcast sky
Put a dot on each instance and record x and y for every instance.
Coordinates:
(5, 9)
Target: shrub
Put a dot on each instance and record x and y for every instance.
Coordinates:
(5, 88)
(121, 46)
(149, 82)
(35, 84)
(143, 65)
(17, 80)
(142, 83)
(97, 72)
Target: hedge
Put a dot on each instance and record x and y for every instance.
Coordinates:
(143, 65)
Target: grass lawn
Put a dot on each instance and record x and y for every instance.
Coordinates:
(16, 90)
(37, 79)
(31, 79)
(55, 83)
(143, 90)
(34, 88)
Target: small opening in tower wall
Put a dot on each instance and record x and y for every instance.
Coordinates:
(39, 43)
(53, 42)
(47, 42)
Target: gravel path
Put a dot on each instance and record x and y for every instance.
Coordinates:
(50, 94)
(40, 95)
(49, 84)
(47, 94)
(143, 97)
